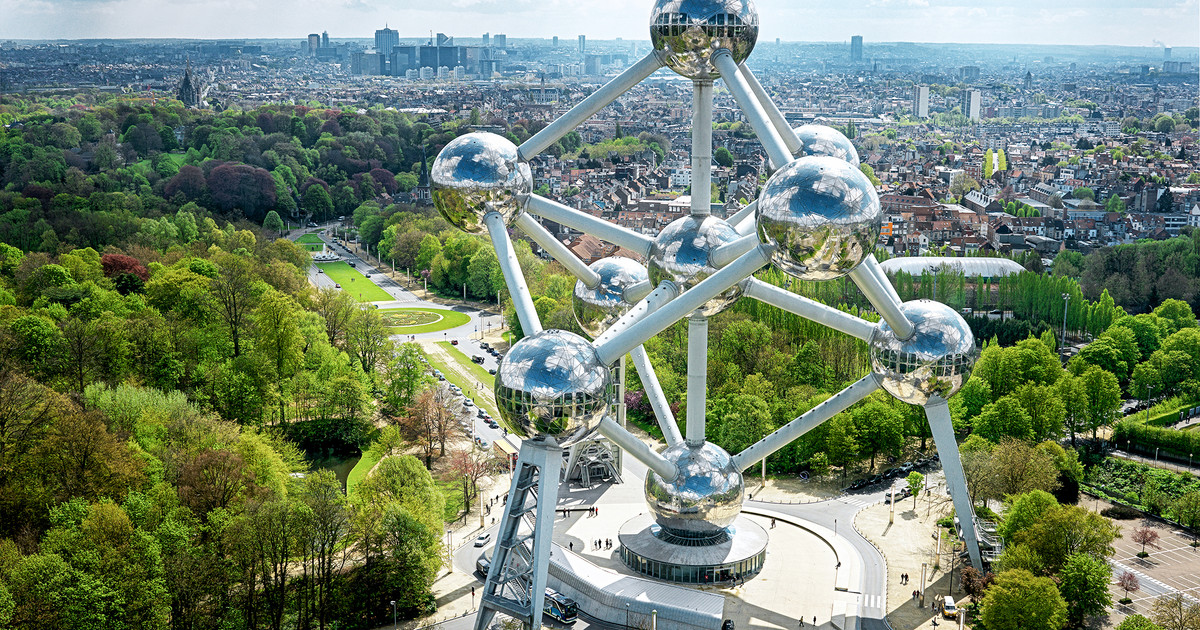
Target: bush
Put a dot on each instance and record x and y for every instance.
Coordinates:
(1125, 600)
(1121, 513)
(1143, 554)
(1178, 442)
(947, 522)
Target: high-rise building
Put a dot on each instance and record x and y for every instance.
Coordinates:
(582, 44)
(314, 42)
(556, 41)
(921, 101)
(386, 39)
(1028, 80)
(501, 41)
(325, 39)
(1166, 54)
(856, 48)
(969, 74)
(972, 102)
(487, 39)
(444, 40)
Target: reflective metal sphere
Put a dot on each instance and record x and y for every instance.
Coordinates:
(687, 32)
(681, 254)
(476, 174)
(827, 141)
(598, 309)
(705, 498)
(937, 359)
(553, 384)
(822, 215)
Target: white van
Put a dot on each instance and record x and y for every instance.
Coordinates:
(949, 611)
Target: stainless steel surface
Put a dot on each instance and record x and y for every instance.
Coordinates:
(935, 361)
(941, 426)
(682, 254)
(658, 298)
(610, 348)
(697, 378)
(775, 147)
(588, 107)
(552, 384)
(583, 222)
(687, 33)
(706, 496)
(702, 151)
(598, 308)
(476, 174)
(556, 249)
(822, 214)
(882, 295)
(822, 140)
(792, 431)
(777, 118)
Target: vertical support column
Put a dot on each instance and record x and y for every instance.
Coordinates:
(697, 380)
(516, 581)
(937, 411)
(702, 106)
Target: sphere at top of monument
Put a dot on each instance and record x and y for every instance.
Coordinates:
(823, 217)
(825, 140)
(477, 174)
(682, 254)
(704, 498)
(686, 33)
(936, 360)
(597, 309)
(552, 384)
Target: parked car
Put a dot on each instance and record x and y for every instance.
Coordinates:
(492, 371)
(467, 402)
(351, 263)
(485, 346)
(483, 539)
(477, 359)
(454, 342)
(337, 285)
(492, 424)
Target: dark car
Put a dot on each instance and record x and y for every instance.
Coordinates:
(891, 473)
(492, 371)
(874, 480)
(477, 359)
(485, 346)
(351, 264)
(454, 342)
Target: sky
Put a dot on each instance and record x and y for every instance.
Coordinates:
(1079, 22)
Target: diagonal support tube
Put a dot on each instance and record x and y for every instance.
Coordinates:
(877, 269)
(937, 411)
(589, 224)
(702, 114)
(777, 151)
(630, 444)
(781, 124)
(612, 348)
(648, 305)
(789, 432)
(732, 251)
(809, 309)
(744, 217)
(882, 295)
(519, 291)
(588, 107)
(566, 257)
(658, 400)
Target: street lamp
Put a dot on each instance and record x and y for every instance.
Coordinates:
(394, 626)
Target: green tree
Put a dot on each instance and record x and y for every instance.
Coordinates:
(916, 481)
(317, 203)
(879, 427)
(232, 296)
(723, 157)
(1005, 418)
(1176, 612)
(1084, 586)
(1083, 192)
(1104, 398)
(1019, 601)
(1066, 531)
(1022, 511)
(428, 250)
(273, 223)
(1137, 622)
(988, 164)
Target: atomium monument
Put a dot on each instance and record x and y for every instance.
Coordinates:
(817, 219)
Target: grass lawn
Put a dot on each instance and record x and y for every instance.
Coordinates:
(411, 321)
(309, 238)
(354, 282)
(455, 378)
(472, 367)
(311, 242)
(360, 470)
(452, 493)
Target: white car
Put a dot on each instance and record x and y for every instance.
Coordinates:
(483, 539)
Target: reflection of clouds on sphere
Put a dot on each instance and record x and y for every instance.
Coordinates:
(681, 254)
(822, 215)
(936, 359)
(552, 383)
(817, 140)
(476, 174)
(598, 309)
(704, 499)
(687, 33)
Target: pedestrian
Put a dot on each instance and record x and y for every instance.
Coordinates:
(773, 527)
(802, 622)
(814, 620)
(571, 546)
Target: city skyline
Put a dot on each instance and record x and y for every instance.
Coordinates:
(1070, 22)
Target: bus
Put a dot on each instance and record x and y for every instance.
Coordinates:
(560, 607)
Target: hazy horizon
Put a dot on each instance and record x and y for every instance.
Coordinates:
(1144, 23)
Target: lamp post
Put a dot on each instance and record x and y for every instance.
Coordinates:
(394, 614)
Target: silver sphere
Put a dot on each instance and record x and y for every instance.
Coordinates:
(598, 309)
(704, 499)
(936, 360)
(553, 384)
(476, 174)
(822, 215)
(686, 33)
(824, 140)
(681, 254)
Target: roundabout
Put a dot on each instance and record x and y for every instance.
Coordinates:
(412, 321)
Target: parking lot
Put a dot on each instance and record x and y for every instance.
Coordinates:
(1170, 568)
